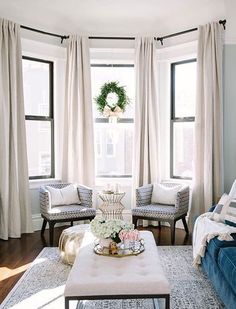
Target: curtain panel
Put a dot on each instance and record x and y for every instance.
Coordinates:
(146, 127)
(78, 145)
(208, 151)
(145, 169)
(15, 210)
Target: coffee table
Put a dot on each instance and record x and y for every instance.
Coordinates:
(103, 277)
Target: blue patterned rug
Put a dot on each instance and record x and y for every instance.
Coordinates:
(42, 286)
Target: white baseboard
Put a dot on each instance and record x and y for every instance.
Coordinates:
(37, 222)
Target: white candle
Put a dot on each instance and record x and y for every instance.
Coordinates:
(117, 187)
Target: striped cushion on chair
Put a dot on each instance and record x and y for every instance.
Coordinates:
(155, 211)
(69, 212)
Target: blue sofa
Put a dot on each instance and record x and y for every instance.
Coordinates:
(219, 263)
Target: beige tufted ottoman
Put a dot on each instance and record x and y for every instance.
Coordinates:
(101, 277)
(70, 242)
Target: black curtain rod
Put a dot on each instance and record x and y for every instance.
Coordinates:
(64, 37)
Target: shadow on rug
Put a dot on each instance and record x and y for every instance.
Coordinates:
(42, 285)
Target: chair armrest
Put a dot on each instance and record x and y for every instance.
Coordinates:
(86, 195)
(182, 200)
(144, 195)
(45, 200)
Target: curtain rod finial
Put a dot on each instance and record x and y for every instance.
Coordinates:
(160, 39)
(64, 37)
(222, 22)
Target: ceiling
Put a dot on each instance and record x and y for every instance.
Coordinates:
(113, 17)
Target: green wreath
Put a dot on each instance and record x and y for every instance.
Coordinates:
(112, 88)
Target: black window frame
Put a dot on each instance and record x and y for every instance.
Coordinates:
(49, 118)
(119, 120)
(173, 118)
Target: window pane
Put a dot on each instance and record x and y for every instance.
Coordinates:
(36, 87)
(183, 149)
(185, 89)
(123, 75)
(113, 149)
(39, 153)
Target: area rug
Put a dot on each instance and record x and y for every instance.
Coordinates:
(43, 284)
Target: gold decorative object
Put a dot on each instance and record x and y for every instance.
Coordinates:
(119, 250)
(111, 206)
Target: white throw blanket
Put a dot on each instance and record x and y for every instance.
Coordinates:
(204, 230)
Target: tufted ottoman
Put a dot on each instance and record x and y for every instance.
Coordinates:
(103, 277)
(70, 242)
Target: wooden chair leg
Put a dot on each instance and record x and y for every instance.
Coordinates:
(135, 221)
(43, 226)
(185, 225)
(172, 231)
(51, 232)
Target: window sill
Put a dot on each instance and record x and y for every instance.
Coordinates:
(188, 182)
(102, 181)
(36, 183)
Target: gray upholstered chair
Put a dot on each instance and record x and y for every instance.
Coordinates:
(159, 212)
(65, 213)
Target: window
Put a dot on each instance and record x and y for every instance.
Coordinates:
(113, 142)
(183, 94)
(38, 98)
(110, 144)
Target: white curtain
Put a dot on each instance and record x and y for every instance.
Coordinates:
(146, 136)
(208, 170)
(15, 211)
(78, 145)
(145, 168)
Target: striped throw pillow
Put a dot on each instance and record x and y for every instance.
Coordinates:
(230, 216)
(218, 213)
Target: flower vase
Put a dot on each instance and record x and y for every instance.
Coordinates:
(105, 242)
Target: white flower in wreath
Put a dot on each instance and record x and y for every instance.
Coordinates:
(112, 99)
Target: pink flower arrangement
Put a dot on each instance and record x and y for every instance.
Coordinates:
(132, 235)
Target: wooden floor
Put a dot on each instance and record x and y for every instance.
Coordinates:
(17, 254)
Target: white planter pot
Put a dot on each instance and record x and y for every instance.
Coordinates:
(105, 242)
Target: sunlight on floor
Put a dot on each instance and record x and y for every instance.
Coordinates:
(8, 272)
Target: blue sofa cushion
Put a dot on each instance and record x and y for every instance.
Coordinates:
(223, 289)
(215, 245)
(227, 264)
